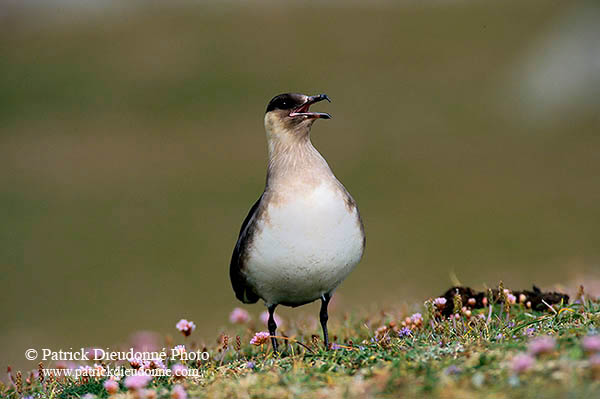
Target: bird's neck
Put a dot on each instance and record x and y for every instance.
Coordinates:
(295, 161)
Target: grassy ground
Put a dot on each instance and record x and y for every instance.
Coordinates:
(481, 353)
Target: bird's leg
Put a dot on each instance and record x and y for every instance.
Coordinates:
(323, 316)
(272, 326)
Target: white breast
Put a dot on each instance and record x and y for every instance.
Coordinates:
(304, 246)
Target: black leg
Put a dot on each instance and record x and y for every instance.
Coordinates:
(272, 327)
(323, 316)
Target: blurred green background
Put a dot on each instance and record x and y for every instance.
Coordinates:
(132, 147)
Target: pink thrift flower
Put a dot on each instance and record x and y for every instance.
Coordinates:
(178, 392)
(145, 341)
(179, 370)
(178, 352)
(591, 343)
(541, 345)
(440, 302)
(111, 386)
(260, 338)
(522, 363)
(511, 299)
(239, 316)
(416, 318)
(264, 318)
(65, 365)
(153, 364)
(135, 363)
(136, 382)
(186, 327)
(94, 353)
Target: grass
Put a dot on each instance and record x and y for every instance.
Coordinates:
(382, 355)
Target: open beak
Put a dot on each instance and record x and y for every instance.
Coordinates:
(303, 110)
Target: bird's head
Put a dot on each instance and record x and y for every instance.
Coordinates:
(288, 114)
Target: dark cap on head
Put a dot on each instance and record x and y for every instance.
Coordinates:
(298, 105)
(286, 101)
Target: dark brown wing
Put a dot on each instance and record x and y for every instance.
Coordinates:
(243, 291)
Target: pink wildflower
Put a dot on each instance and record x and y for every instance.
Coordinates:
(522, 362)
(239, 316)
(135, 382)
(186, 327)
(541, 345)
(260, 338)
(179, 370)
(440, 302)
(145, 341)
(111, 386)
(511, 299)
(416, 318)
(65, 365)
(136, 363)
(178, 392)
(94, 353)
(591, 343)
(264, 318)
(178, 350)
(153, 364)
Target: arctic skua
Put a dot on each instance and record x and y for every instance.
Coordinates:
(304, 235)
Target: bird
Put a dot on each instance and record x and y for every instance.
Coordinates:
(304, 235)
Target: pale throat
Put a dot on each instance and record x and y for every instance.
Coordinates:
(293, 160)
